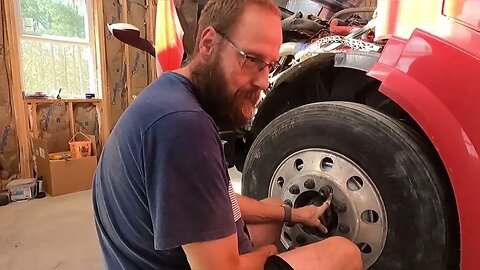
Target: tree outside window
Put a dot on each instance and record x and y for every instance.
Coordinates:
(57, 47)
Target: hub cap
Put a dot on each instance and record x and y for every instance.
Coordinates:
(357, 211)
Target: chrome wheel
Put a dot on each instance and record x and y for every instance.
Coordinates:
(357, 212)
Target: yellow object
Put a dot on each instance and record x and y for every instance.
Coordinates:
(54, 157)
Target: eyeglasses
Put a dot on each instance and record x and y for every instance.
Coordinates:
(251, 62)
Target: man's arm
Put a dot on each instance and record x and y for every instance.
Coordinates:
(258, 212)
(223, 254)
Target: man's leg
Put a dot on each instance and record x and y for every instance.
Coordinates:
(268, 233)
(330, 254)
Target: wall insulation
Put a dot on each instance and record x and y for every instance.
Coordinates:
(53, 122)
(9, 149)
(86, 120)
(136, 15)
(127, 69)
(116, 63)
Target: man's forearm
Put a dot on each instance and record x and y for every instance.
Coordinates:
(257, 212)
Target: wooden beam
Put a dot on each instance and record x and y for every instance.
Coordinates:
(101, 56)
(128, 66)
(33, 100)
(151, 24)
(35, 131)
(13, 60)
(72, 118)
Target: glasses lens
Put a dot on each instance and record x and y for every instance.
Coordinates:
(253, 64)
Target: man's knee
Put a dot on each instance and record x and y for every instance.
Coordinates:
(348, 250)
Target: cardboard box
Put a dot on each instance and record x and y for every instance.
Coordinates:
(64, 176)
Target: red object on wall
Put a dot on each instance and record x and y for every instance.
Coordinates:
(168, 37)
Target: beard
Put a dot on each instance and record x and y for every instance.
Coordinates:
(228, 111)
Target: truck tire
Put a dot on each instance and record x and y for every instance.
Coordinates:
(392, 196)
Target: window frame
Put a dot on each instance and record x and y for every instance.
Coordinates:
(88, 41)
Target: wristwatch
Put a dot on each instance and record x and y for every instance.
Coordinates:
(288, 213)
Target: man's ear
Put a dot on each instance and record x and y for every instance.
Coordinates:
(207, 42)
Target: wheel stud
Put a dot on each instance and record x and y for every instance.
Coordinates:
(343, 228)
(288, 202)
(340, 207)
(310, 184)
(294, 190)
(301, 239)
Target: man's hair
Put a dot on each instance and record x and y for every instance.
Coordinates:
(224, 14)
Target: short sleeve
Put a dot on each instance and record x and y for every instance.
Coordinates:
(186, 181)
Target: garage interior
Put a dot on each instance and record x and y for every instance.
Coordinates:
(57, 232)
(66, 79)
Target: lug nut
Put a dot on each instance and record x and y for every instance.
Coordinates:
(301, 239)
(340, 207)
(288, 202)
(325, 191)
(310, 184)
(343, 228)
(294, 189)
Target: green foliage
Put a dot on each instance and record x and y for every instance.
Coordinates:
(54, 17)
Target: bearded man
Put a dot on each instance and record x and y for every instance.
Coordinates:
(162, 196)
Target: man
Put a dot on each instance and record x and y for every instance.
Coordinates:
(162, 196)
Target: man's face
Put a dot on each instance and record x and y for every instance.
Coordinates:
(232, 78)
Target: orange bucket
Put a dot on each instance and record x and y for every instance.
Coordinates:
(80, 148)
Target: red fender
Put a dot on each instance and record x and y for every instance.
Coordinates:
(437, 82)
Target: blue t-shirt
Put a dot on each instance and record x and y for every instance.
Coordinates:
(162, 182)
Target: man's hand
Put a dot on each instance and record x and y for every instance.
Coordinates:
(310, 215)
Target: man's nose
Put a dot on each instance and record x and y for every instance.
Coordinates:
(261, 80)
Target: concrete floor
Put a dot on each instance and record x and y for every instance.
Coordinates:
(54, 233)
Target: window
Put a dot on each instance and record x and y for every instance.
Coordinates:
(57, 47)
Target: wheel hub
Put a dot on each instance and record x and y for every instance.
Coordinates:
(357, 211)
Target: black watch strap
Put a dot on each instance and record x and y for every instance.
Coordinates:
(288, 213)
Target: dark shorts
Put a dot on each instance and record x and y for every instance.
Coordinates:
(276, 263)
